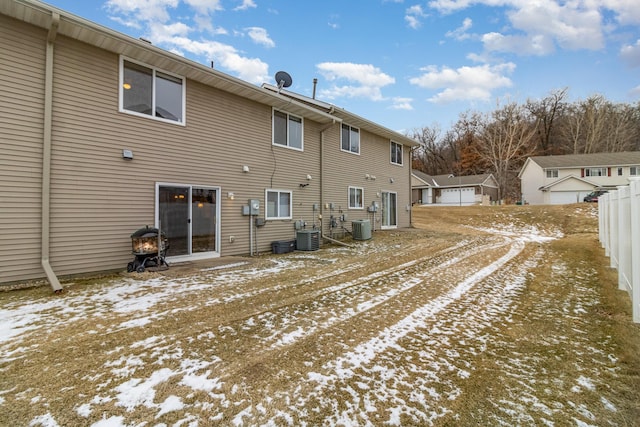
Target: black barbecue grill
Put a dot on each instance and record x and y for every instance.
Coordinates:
(149, 245)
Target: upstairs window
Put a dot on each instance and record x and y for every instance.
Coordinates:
(595, 172)
(396, 153)
(278, 204)
(350, 139)
(634, 171)
(552, 173)
(149, 92)
(287, 130)
(356, 198)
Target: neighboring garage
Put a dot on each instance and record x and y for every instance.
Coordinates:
(568, 190)
(450, 196)
(564, 197)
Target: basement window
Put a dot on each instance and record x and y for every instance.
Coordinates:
(146, 91)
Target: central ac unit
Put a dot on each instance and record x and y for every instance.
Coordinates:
(361, 229)
(308, 240)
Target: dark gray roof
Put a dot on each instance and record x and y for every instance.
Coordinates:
(627, 158)
(451, 180)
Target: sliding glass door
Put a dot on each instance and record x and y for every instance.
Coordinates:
(188, 215)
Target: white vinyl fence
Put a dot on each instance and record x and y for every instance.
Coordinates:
(619, 232)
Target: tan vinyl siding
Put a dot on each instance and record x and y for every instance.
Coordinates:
(21, 115)
(344, 169)
(99, 199)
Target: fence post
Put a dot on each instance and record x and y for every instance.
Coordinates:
(634, 212)
(613, 228)
(603, 218)
(624, 239)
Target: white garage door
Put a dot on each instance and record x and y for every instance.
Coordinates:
(564, 197)
(450, 196)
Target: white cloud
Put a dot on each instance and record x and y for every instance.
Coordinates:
(142, 10)
(522, 45)
(635, 92)
(539, 27)
(153, 17)
(246, 4)
(627, 11)
(260, 36)
(460, 33)
(631, 54)
(573, 25)
(204, 7)
(412, 16)
(400, 103)
(363, 80)
(464, 83)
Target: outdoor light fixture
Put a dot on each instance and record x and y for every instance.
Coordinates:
(245, 169)
(231, 196)
(308, 177)
(127, 154)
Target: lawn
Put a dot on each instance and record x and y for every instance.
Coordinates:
(500, 315)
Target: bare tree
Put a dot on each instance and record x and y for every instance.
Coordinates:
(505, 141)
(545, 112)
(597, 125)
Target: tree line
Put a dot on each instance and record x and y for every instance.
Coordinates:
(500, 141)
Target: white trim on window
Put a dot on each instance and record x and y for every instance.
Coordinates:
(158, 101)
(290, 133)
(634, 170)
(278, 204)
(352, 143)
(356, 197)
(396, 153)
(552, 173)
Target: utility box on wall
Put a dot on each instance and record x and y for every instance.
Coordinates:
(308, 240)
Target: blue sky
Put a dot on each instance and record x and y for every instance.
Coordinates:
(402, 63)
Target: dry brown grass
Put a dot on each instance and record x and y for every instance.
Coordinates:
(455, 322)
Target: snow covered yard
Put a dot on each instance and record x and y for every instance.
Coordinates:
(479, 316)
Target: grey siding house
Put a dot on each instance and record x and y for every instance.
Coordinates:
(102, 134)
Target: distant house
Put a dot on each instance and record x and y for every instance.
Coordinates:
(103, 134)
(452, 190)
(568, 179)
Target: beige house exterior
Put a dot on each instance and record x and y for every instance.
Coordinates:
(85, 159)
(569, 178)
(453, 190)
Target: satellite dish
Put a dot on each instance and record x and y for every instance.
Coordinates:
(283, 79)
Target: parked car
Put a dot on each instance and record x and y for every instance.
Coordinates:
(593, 196)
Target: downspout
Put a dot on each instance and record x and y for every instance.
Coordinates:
(46, 154)
(322, 131)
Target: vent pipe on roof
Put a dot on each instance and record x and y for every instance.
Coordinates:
(315, 83)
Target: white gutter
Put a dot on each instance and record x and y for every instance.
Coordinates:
(46, 154)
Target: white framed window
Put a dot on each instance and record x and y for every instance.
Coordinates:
(287, 130)
(595, 172)
(396, 153)
(356, 198)
(148, 92)
(634, 171)
(350, 139)
(278, 204)
(552, 173)
(619, 171)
